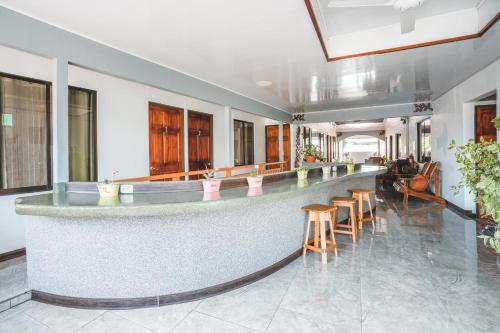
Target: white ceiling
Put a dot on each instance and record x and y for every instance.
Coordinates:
(236, 43)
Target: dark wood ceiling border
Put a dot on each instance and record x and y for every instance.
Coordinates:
(315, 23)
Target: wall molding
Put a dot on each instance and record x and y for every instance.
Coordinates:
(315, 23)
(12, 254)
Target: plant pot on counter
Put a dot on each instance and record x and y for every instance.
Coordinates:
(255, 182)
(310, 158)
(108, 190)
(302, 174)
(211, 186)
(350, 168)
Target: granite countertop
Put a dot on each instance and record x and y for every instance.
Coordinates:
(171, 203)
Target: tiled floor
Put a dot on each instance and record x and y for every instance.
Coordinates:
(13, 280)
(422, 270)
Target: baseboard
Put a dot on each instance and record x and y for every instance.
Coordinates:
(460, 211)
(12, 254)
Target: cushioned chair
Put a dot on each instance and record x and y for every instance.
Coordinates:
(417, 185)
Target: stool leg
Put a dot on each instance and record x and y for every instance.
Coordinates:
(324, 258)
(335, 218)
(332, 236)
(316, 229)
(353, 224)
(360, 210)
(306, 237)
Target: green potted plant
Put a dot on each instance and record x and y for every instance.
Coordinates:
(302, 172)
(480, 170)
(210, 183)
(349, 163)
(254, 180)
(310, 152)
(107, 188)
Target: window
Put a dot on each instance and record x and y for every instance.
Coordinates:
(424, 140)
(24, 135)
(243, 143)
(82, 135)
(399, 146)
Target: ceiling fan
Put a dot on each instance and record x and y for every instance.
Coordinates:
(408, 9)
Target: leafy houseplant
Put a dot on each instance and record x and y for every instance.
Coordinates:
(210, 184)
(310, 152)
(480, 170)
(254, 180)
(302, 173)
(107, 188)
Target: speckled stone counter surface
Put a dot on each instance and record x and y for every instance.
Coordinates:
(149, 245)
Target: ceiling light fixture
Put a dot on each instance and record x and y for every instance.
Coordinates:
(263, 83)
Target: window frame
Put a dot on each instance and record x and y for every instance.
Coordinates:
(244, 139)
(419, 140)
(48, 106)
(94, 124)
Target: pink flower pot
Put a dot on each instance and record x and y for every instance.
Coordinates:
(254, 182)
(211, 186)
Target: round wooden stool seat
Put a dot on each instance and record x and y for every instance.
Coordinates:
(318, 208)
(363, 194)
(320, 215)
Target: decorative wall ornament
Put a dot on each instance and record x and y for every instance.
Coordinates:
(298, 116)
(421, 107)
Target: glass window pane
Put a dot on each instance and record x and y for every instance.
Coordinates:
(82, 144)
(243, 143)
(23, 134)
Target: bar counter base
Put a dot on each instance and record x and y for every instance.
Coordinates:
(148, 302)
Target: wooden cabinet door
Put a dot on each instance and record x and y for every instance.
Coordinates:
(286, 146)
(200, 141)
(165, 139)
(483, 122)
(272, 144)
(484, 127)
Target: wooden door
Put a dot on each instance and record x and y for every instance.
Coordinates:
(200, 141)
(165, 139)
(484, 127)
(286, 146)
(272, 144)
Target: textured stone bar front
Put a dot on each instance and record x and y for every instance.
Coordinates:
(149, 246)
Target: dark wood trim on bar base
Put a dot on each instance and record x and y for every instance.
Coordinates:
(143, 302)
(12, 254)
(315, 23)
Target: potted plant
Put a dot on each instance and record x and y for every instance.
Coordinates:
(325, 167)
(107, 188)
(350, 165)
(302, 172)
(480, 170)
(254, 180)
(210, 184)
(310, 152)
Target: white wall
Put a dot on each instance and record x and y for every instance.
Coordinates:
(122, 127)
(454, 119)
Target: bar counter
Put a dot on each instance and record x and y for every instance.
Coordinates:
(157, 248)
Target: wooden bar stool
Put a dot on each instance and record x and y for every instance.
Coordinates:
(362, 194)
(320, 215)
(351, 227)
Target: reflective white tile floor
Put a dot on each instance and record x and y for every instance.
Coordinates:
(13, 280)
(421, 270)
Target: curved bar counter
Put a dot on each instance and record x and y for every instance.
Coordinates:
(156, 248)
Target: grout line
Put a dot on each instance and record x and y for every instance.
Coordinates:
(36, 320)
(227, 321)
(91, 321)
(183, 318)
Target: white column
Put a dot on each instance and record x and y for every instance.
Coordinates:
(228, 137)
(60, 135)
(280, 142)
(186, 140)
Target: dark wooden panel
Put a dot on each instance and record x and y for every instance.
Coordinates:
(484, 126)
(200, 141)
(272, 144)
(165, 139)
(287, 146)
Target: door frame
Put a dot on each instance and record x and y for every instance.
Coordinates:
(181, 134)
(211, 116)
